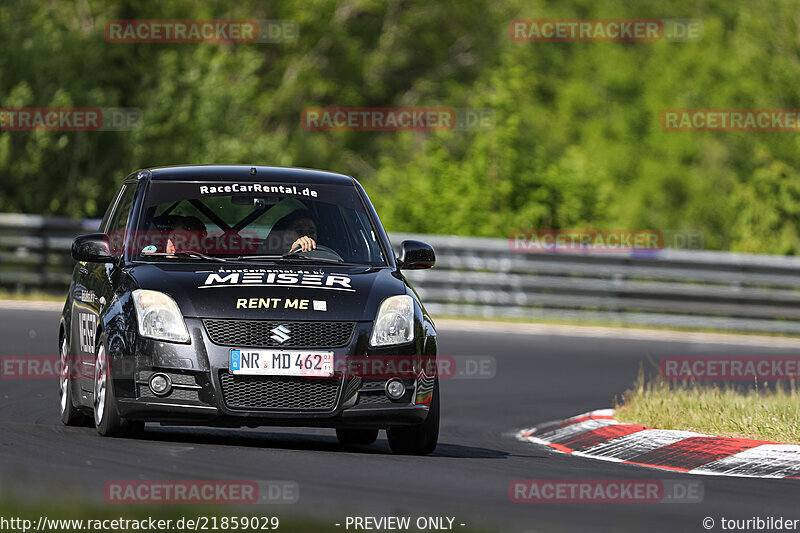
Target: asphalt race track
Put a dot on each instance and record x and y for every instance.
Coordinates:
(538, 378)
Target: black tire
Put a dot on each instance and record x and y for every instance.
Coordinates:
(106, 416)
(357, 436)
(421, 439)
(70, 416)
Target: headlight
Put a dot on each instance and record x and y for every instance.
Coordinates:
(159, 317)
(395, 322)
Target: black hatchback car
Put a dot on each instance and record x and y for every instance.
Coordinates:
(236, 296)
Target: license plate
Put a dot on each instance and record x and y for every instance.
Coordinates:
(281, 363)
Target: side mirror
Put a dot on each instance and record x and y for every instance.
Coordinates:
(416, 255)
(92, 248)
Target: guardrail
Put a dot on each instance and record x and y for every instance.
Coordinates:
(477, 277)
(35, 251)
(481, 277)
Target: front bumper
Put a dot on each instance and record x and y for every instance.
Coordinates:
(203, 390)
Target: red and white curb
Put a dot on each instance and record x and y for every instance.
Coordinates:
(599, 436)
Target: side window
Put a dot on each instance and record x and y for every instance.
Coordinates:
(110, 210)
(117, 219)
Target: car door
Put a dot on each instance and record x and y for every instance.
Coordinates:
(94, 289)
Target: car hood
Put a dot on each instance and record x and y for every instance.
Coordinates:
(280, 292)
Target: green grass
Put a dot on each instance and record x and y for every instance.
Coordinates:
(32, 296)
(615, 324)
(754, 413)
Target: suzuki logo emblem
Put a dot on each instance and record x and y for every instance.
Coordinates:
(280, 334)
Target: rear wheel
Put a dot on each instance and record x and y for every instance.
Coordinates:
(421, 439)
(70, 416)
(357, 436)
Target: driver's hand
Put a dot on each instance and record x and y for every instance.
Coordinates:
(306, 244)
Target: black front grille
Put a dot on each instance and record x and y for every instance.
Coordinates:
(175, 394)
(373, 399)
(275, 392)
(177, 379)
(373, 384)
(244, 333)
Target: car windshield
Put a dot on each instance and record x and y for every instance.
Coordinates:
(255, 221)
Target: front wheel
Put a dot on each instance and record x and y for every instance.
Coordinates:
(421, 439)
(106, 417)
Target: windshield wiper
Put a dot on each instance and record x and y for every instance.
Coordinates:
(297, 255)
(292, 256)
(187, 253)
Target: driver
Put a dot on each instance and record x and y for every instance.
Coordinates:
(299, 231)
(186, 235)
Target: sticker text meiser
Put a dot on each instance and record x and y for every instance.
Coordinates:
(335, 282)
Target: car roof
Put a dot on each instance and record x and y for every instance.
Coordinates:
(244, 173)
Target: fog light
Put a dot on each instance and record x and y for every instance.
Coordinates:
(160, 384)
(395, 389)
